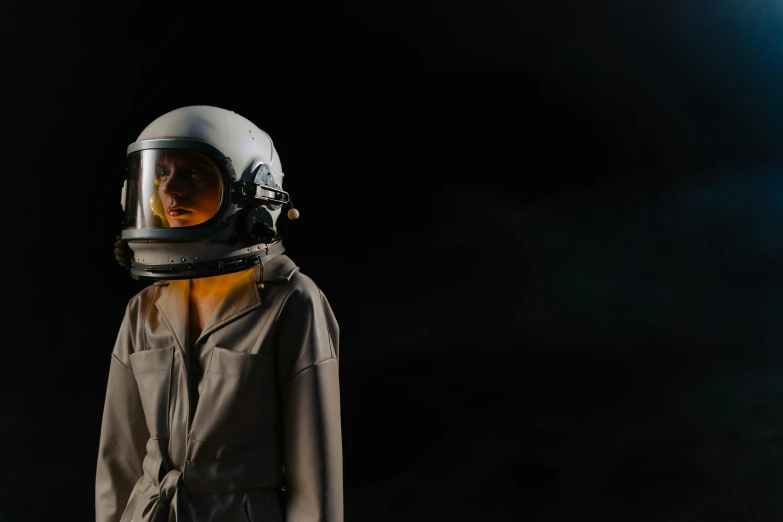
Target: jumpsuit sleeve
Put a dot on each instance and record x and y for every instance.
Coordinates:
(123, 435)
(307, 348)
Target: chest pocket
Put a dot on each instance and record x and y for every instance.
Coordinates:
(238, 400)
(152, 369)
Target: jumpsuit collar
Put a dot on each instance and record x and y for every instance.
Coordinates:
(243, 297)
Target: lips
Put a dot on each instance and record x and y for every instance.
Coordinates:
(177, 211)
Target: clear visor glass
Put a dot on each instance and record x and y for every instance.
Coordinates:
(171, 188)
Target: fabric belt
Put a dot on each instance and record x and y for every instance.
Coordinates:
(171, 501)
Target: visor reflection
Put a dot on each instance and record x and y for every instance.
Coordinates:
(178, 188)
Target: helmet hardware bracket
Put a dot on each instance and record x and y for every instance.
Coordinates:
(248, 193)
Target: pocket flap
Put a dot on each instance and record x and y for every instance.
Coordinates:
(151, 361)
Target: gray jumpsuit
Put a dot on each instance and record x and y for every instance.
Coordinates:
(243, 424)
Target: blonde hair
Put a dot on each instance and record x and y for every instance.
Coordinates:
(157, 205)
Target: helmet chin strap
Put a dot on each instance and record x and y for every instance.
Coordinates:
(272, 251)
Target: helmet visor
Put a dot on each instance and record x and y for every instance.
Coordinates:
(171, 188)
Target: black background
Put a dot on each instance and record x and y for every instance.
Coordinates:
(550, 232)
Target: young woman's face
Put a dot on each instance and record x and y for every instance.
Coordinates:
(189, 187)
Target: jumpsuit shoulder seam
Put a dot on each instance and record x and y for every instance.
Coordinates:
(310, 367)
(328, 326)
(122, 363)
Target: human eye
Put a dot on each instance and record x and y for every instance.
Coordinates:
(198, 173)
(162, 172)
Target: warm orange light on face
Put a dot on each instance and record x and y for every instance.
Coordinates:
(189, 187)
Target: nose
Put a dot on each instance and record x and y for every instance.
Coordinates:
(174, 184)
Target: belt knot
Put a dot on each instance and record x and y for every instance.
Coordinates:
(170, 498)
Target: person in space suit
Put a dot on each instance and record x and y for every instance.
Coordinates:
(223, 400)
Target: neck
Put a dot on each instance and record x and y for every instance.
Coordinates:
(216, 284)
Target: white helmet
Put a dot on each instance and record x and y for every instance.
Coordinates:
(202, 195)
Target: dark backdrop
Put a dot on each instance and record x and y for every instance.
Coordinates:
(550, 232)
